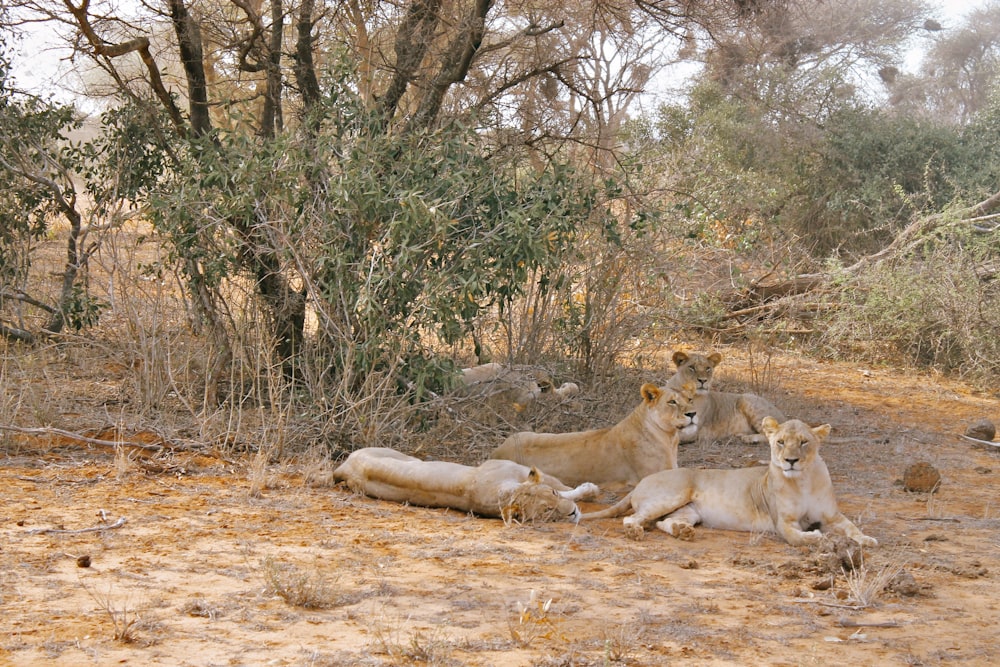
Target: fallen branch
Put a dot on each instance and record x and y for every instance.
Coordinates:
(82, 438)
(62, 531)
(848, 623)
(981, 442)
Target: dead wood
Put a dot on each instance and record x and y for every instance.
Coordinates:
(766, 298)
(62, 531)
(82, 438)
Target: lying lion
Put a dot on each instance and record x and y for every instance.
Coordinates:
(793, 496)
(642, 443)
(720, 414)
(518, 387)
(502, 489)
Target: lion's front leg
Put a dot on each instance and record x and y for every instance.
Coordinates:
(680, 523)
(788, 528)
(841, 524)
(586, 491)
(633, 528)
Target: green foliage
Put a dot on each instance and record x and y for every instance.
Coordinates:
(127, 157)
(843, 178)
(872, 172)
(31, 130)
(938, 307)
(401, 239)
(82, 309)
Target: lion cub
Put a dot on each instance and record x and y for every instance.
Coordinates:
(720, 413)
(791, 496)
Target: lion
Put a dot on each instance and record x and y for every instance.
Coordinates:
(720, 414)
(502, 489)
(642, 443)
(518, 387)
(792, 496)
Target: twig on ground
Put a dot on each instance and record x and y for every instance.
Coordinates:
(93, 529)
(849, 623)
(981, 442)
(82, 438)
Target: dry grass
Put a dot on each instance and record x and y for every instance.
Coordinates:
(865, 584)
(124, 618)
(308, 589)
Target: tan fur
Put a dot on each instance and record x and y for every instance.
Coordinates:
(518, 387)
(720, 414)
(642, 443)
(494, 489)
(791, 496)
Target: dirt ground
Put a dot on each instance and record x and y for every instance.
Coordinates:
(202, 572)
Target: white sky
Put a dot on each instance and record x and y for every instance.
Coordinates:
(38, 62)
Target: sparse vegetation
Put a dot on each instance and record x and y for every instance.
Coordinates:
(866, 583)
(286, 226)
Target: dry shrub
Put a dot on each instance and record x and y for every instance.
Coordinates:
(937, 308)
(298, 587)
(866, 583)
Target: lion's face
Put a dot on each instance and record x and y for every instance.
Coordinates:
(534, 500)
(697, 368)
(794, 444)
(670, 407)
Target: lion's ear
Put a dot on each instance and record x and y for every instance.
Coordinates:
(821, 431)
(650, 392)
(534, 475)
(769, 425)
(715, 358)
(680, 356)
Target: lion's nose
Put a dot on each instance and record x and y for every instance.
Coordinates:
(792, 462)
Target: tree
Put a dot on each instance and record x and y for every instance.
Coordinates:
(269, 107)
(38, 173)
(958, 72)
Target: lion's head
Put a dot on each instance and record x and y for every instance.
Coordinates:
(670, 406)
(794, 444)
(696, 367)
(533, 500)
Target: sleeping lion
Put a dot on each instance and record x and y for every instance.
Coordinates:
(502, 489)
(793, 496)
(642, 443)
(720, 413)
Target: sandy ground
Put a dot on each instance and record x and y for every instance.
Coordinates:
(204, 573)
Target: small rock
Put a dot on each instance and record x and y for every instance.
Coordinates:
(921, 478)
(83, 561)
(904, 584)
(983, 429)
(824, 584)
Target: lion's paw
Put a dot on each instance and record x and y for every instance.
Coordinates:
(867, 541)
(587, 491)
(633, 529)
(682, 530)
(809, 537)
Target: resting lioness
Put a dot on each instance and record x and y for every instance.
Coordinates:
(793, 496)
(642, 443)
(720, 413)
(519, 387)
(494, 489)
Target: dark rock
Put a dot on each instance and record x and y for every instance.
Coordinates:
(921, 477)
(983, 429)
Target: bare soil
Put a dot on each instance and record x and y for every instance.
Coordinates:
(205, 572)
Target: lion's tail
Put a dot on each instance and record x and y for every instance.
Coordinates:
(617, 509)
